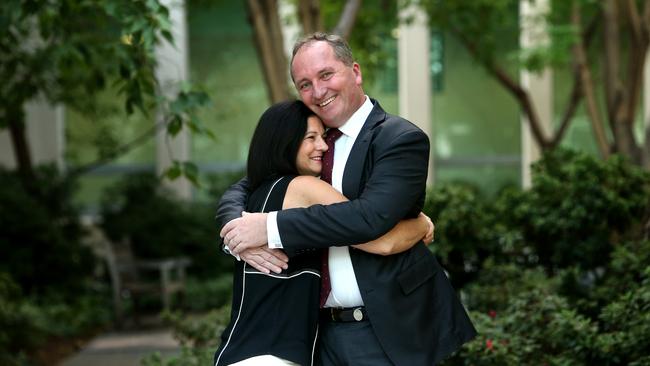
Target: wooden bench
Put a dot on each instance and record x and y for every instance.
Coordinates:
(132, 278)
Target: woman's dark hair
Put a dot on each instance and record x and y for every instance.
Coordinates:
(276, 141)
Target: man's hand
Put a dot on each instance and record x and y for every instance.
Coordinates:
(265, 259)
(428, 238)
(248, 231)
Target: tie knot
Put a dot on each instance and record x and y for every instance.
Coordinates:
(333, 134)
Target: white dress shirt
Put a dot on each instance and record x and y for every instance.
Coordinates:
(345, 290)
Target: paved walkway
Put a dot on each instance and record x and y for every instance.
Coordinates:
(124, 348)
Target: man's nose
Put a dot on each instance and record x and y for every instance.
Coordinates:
(319, 90)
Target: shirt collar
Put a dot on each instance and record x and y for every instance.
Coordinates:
(353, 126)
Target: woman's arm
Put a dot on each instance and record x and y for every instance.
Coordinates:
(402, 237)
(305, 191)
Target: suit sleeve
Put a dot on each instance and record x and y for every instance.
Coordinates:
(394, 189)
(232, 203)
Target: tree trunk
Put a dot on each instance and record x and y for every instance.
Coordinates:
(626, 142)
(16, 125)
(638, 49)
(309, 15)
(348, 16)
(582, 68)
(645, 149)
(264, 17)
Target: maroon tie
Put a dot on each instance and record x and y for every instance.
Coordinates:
(326, 175)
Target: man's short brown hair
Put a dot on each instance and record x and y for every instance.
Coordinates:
(341, 48)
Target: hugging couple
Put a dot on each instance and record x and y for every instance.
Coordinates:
(334, 270)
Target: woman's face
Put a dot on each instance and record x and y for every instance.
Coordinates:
(310, 155)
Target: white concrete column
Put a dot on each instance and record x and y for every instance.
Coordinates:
(540, 86)
(45, 135)
(645, 135)
(172, 70)
(414, 74)
(291, 31)
(291, 28)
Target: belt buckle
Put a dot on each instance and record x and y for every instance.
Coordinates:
(357, 314)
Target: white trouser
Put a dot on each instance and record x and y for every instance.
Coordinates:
(264, 360)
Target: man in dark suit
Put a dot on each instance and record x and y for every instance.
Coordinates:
(382, 310)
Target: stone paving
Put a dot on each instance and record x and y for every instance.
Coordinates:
(124, 348)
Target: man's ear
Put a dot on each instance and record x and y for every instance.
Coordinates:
(356, 69)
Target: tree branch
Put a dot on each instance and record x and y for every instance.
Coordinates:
(613, 88)
(582, 68)
(577, 90)
(512, 86)
(121, 150)
(569, 112)
(348, 16)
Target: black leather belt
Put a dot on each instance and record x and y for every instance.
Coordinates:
(356, 314)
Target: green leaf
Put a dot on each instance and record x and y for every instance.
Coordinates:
(174, 126)
(173, 172)
(191, 172)
(168, 36)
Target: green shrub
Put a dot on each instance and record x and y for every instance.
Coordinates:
(498, 284)
(459, 213)
(85, 313)
(580, 208)
(539, 327)
(536, 328)
(26, 323)
(19, 331)
(592, 290)
(576, 213)
(40, 239)
(159, 226)
(203, 295)
(199, 337)
(625, 324)
(524, 319)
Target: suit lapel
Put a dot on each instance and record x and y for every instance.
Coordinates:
(357, 158)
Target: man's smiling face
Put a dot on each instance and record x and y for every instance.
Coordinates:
(326, 85)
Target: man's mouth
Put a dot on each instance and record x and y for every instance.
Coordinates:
(327, 101)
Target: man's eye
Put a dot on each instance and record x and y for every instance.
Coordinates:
(304, 86)
(327, 75)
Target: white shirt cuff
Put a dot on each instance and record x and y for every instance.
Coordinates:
(227, 251)
(272, 231)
